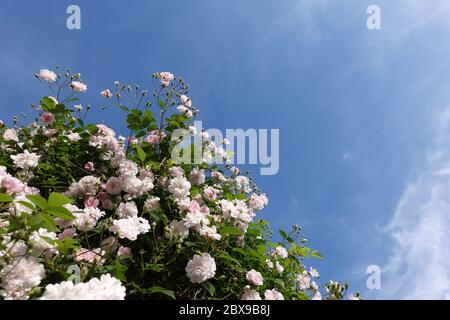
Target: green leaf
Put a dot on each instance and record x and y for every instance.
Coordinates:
(5, 198)
(231, 230)
(210, 287)
(38, 201)
(317, 255)
(61, 212)
(141, 153)
(162, 290)
(28, 205)
(283, 234)
(58, 200)
(47, 220)
(279, 282)
(47, 104)
(119, 270)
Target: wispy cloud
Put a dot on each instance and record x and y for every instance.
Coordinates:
(419, 266)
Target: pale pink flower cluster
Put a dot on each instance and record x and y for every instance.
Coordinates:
(201, 268)
(86, 186)
(127, 209)
(106, 93)
(273, 295)
(10, 184)
(255, 277)
(74, 136)
(19, 277)
(26, 160)
(258, 202)
(238, 211)
(130, 227)
(177, 230)
(197, 177)
(87, 219)
(105, 138)
(211, 193)
(279, 251)
(78, 86)
(303, 281)
(40, 245)
(155, 137)
(184, 107)
(151, 204)
(250, 294)
(242, 183)
(47, 76)
(179, 187)
(91, 256)
(105, 288)
(199, 219)
(165, 78)
(10, 135)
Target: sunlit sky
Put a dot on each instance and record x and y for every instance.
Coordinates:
(363, 115)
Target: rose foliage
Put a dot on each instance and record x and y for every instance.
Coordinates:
(88, 214)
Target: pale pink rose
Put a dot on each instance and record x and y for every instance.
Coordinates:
(89, 166)
(106, 130)
(152, 139)
(219, 176)
(49, 132)
(255, 277)
(10, 135)
(210, 193)
(48, 118)
(11, 184)
(250, 295)
(182, 109)
(124, 251)
(91, 256)
(205, 135)
(102, 196)
(67, 233)
(280, 251)
(201, 268)
(176, 172)
(107, 204)
(47, 75)
(194, 206)
(163, 182)
(273, 295)
(184, 99)
(106, 93)
(114, 185)
(197, 177)
(132, 140)
(25, 160)
(78, 86)
(165, 78)
(74, 137)
(151, 204)
(91, 202)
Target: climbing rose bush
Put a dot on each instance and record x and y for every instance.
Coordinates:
(89, 214)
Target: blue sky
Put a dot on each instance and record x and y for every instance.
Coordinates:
(363, 115)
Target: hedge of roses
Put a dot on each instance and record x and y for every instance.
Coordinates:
(87, 214)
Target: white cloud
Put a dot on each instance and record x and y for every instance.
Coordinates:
(419, 266)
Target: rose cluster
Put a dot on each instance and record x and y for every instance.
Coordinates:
(89, 214)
